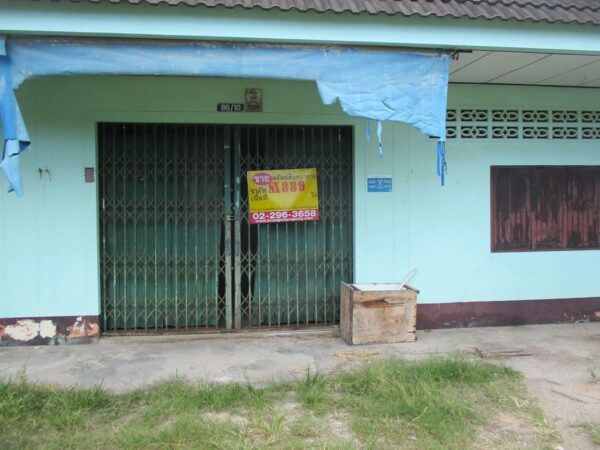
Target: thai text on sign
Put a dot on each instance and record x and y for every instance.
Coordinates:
(288, 195)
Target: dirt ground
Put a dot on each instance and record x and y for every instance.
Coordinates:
(561, 363)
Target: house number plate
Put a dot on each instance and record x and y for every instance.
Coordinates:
(230, 107)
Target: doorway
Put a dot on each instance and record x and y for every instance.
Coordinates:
(178, 252)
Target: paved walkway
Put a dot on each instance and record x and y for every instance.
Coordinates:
(561, 363)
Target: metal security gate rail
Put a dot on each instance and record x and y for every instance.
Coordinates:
(161, 191)
(177, 250)
(289, 273)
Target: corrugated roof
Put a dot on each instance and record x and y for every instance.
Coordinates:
(565, 11)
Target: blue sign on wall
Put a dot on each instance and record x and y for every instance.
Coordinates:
(379, 184)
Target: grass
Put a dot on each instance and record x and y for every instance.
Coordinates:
(438, 403)
(593, 430)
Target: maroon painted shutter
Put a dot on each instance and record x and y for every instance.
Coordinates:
(582, 207)
(548, 188)
(511, 189)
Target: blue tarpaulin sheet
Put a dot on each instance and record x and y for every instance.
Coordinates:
(378, 84)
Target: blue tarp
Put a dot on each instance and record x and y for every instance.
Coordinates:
(379, 84)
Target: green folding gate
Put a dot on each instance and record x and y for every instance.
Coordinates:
(177, 249)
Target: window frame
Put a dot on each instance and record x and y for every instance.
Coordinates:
(531, 210)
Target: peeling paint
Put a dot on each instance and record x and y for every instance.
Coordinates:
(49, 330)
(82, 328)
(23, 330)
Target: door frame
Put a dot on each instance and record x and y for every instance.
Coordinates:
(92, 118)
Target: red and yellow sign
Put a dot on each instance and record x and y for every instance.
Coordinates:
(288, 195)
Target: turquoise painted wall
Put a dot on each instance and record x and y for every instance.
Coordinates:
(448, 237)
(49, 238)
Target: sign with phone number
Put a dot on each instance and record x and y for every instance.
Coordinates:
(288, 195)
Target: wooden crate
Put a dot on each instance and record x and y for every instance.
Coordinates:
(372, 313)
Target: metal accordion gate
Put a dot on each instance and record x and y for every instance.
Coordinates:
(177, 251)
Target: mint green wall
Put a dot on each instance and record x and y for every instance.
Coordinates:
(49, 238)
(182, 22)
(448, 238)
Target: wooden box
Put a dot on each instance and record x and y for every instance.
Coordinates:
(380, 313)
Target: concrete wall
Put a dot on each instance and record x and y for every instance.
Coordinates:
(49, 238)
(448, 236)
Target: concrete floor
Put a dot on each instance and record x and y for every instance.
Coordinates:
(561, 363)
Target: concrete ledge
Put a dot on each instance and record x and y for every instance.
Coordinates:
(62, 330)
(507, 313)
(254, 333)
(69, 330)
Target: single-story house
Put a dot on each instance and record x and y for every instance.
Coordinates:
(460, 138)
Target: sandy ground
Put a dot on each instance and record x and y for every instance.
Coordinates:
(561, 363)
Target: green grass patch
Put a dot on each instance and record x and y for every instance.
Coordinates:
(593, 430)
(437, 403)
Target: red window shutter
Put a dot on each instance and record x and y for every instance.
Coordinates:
(511, 227)
(548, 188)
(582, 207)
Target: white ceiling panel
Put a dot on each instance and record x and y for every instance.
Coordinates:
(545, 68)
(526, 69)
(595, 83)
(465, 59)
(576, 77)
(494, 65)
